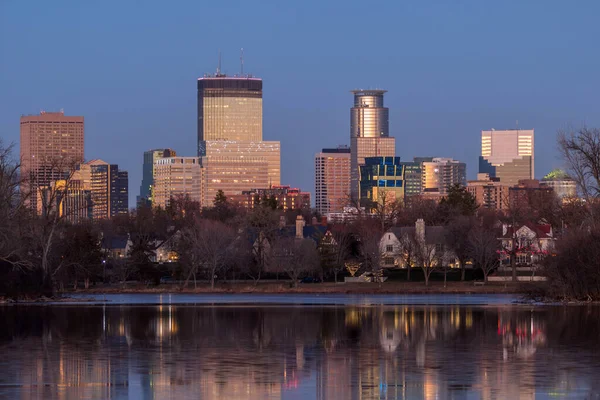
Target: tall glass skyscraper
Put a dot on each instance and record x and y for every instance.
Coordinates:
(150, 157)
(230, 142)
(369, 133)
(229, 108)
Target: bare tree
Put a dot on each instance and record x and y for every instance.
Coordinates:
(457, 239)
(335, 248)
(483, 249)
(369, 236)
(261, 226)
(407, 251)
(296, 257)
(428, 257)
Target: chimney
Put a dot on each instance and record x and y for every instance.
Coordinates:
(282, 221)
(313, 221)
(299, 227)
(420, 229)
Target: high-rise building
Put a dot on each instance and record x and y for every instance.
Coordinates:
(489, 192)
(440, 174)
(150, 157)
(413, 175)
(369, 133)
(51, 145)
(229, 108)
(72, 201)
(177, 176)
(382, 180)
(507, 155)
(109, 188)
(233, 154)
(332, 180)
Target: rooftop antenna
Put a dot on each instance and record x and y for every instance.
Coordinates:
(219, 65)
(242, 61)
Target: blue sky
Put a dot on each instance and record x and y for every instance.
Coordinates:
(451, 68)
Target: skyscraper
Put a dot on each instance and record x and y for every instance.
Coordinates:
(177, 176)
(369, 133)
(233, 154)
(507, 155)
(440, 174)
(51, 144)
(109, 188)
(382, 180)
(150, 157)
(229, 108)
(332, 180)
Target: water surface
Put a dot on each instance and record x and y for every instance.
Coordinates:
(341, 347)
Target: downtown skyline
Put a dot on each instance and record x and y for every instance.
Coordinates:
(436, 109)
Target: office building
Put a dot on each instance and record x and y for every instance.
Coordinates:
(381, 180)
(563, 185)
(150, 158)
(229, 108)
(332, 180)
(232, 152)
(71, 200)
(530, 194)
(369, 133)
(108, 185)
(489, 192)
(507, 155)
(177, 177)
(51, 145)
(413, 176)
(287, 198)
(440, 174)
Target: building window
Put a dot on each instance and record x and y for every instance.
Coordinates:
(439, 248)
(389, 248)
(388, 260)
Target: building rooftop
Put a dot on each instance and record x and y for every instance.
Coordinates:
(368, 92)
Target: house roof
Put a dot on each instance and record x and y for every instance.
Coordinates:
(433, 234)
(542, 231)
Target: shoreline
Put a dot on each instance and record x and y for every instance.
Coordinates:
(268, 287)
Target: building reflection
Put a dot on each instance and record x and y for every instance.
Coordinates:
(247, 353)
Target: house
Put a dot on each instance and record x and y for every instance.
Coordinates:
(532, 242)
(261, 239)
(400, 246)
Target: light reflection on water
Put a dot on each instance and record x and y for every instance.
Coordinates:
(290, 352)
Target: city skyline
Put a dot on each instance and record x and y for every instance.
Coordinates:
(435, 108)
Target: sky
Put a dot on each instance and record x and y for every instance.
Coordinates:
(451, 68)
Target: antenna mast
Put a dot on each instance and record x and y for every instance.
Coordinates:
(242, 61)
(219, 65)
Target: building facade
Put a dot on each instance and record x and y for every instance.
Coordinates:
(51, 145)
(177, 176)
(508, 155)
(109, 189)
(233, 154)
(150, 158)
(369, 133)
(413, 175)
(381, 180)
(440, 174)
(332, 180)
(287, 198)
(229, 108)
(563, 185)
(72, 201)
(489, 192)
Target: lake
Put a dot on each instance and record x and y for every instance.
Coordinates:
(299, 347)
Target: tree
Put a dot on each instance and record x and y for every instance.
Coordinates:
(457, 239)
(335, 248)
(369, 238)
(483, 248)
(207, 246)
(386, 209)
(408, 252)
(296, 257)
(427, 256)
(581, 152)
(260, 225)
(457, 202)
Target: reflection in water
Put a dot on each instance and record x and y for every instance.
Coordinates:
(295, 352)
